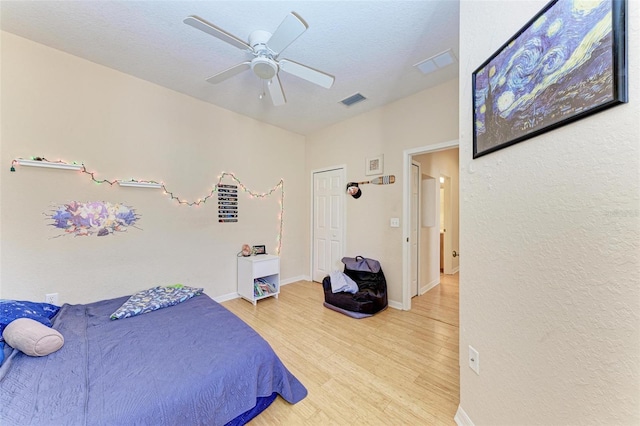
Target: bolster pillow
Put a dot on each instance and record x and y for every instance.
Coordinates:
(32, 338)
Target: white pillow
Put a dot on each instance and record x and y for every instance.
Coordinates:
(31, 337)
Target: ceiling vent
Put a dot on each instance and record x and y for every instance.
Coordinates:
(353, 99)
(434, 63)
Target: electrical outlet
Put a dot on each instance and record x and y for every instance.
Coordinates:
(474, 360)
(51, 298)
(394, 222)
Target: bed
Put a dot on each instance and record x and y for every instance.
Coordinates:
(192, 363)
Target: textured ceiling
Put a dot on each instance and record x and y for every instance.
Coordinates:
(369, 46)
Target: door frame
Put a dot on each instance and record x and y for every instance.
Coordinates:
(448, 243)
(343, 213)
(418, 209)
(407, 155)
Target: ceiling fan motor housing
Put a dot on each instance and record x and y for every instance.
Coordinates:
(258, 41)
(262, 65)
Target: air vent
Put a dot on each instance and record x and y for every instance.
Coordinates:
(353, 99)
(434, 63)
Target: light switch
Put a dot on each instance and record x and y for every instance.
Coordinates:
(395, 222)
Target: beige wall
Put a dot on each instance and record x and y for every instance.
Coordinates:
(427, 118)
(61, 107)
(550, 241)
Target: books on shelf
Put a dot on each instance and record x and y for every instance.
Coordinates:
(262, 287)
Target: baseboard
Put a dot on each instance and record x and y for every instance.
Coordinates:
(295, 279)
(429, 286)
(225, 297)
(455, 270)
(461, 418)
(235, 295)
(395, 305)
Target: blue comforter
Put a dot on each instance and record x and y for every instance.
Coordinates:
(193, 363)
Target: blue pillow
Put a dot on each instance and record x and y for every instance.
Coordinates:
(13, 309)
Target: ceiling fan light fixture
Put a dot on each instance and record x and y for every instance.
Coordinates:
(264, 67)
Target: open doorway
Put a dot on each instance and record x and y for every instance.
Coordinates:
(438, 229)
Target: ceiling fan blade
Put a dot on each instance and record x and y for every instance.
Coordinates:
(202, 25)
(290, 29)
(276, 92)
(314, 76)
(230, 72)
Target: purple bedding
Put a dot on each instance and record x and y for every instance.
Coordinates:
(193, 363)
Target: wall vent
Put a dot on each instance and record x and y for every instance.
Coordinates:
(353, 99)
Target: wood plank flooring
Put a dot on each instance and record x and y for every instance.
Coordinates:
(395, 368)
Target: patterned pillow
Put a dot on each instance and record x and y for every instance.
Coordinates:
(14, 309)
(153, 299)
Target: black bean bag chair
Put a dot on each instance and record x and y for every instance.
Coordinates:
(370, 298)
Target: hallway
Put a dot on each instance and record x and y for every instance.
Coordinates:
(441, 302)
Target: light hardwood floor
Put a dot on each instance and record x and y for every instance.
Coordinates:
(395, 368)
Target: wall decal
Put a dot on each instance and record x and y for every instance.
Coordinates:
(93, 218)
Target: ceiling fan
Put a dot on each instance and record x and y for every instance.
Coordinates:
(266, 48)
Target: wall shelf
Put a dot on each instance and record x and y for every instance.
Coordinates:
(139, 184)
(48, 164)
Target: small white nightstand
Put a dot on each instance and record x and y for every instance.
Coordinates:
(258, 277)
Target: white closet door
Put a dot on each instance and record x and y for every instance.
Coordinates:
(328, 222)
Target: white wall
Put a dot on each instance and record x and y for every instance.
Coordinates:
(429, 117)
(62, 107)
(550, 237)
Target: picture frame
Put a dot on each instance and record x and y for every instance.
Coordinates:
(374, 165)
(259, 250)
(568, 62)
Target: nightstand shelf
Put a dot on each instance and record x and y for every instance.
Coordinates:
(258, 277)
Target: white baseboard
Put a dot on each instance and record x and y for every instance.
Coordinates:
(429, 286)
(295, 279)
(461, 418)
(225, 297)
(395, 305)
(451, 271)
(235, 295)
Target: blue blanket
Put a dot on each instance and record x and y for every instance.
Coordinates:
(192, 363)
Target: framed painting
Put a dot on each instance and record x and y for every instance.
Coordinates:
(374, 165)
(567, 62)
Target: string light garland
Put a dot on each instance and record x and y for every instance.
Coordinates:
(172, 196)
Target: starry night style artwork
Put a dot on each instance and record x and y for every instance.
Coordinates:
(568, 62)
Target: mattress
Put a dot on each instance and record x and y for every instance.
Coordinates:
(193, 363)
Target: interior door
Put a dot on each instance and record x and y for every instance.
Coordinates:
(415, 236)
(328, 222)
